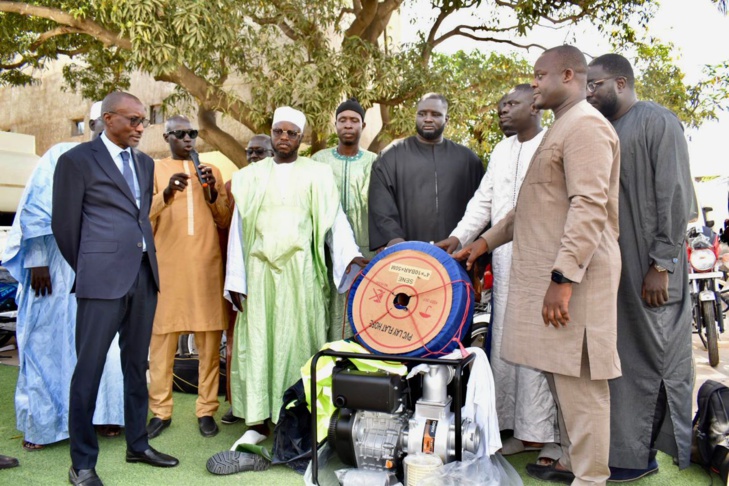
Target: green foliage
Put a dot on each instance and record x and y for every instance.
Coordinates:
(663, 82)
(243, 58)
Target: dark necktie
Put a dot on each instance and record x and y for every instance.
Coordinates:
(127, 172)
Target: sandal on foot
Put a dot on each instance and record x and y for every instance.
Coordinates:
(549, 454)
(512, 446)
(30, 447)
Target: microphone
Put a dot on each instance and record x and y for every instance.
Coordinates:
(201, 178)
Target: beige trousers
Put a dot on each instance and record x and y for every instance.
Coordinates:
(162, 351)
(584, 423)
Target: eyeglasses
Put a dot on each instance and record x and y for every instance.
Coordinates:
(291, 133)
(134, 121)
(593, 85)
(257, 151)
(180, 134)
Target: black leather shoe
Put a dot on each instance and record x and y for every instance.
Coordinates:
(84, 477)
(6, 462)
(229, 418)
(156, 426)
(152, 457)
(208, 427)
(550, 473)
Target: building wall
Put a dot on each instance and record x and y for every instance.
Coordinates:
(46, 111)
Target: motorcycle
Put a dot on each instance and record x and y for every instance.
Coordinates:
(482, 310)
(703, 257)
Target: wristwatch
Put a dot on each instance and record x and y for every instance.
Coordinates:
(659, 268)
(558, 278)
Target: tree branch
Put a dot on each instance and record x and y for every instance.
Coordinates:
(221, 140)
(459, 31)
(63, 30)
(86, 26)
(342, 13)
(15, 65)
(75, 52)
(365, 16)
(281, 24)
(211, 97)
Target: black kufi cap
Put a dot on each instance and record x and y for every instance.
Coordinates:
(353, 105)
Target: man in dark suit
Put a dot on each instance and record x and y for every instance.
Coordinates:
(102, 191)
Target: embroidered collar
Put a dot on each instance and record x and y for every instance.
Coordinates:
(348, 158)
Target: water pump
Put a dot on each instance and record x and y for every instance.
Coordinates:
(373, 428)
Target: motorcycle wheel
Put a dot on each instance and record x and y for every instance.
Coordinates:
(478, 334)
(712, 336)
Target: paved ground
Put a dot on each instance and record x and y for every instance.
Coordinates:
(701, 360)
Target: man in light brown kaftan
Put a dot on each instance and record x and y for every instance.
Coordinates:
(566, 267)
(185, 219)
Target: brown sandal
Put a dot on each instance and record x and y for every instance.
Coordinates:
(30, 447)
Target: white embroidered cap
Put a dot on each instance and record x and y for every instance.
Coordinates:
(95, 111)
(288, 114)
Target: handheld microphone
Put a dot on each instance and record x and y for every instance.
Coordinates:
(201, 178)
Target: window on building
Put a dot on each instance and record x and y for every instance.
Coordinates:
(77, 127)
(155, 115)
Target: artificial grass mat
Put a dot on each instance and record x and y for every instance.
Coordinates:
(183, 440)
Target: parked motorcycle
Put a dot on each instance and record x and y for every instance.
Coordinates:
(703, 257)
(482, 311)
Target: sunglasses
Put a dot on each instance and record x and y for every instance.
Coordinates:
(291, 133)
(180, 134)
(134, 121)
(257, 151)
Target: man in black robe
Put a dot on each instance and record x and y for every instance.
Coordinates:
(420, 186)
(650, 405)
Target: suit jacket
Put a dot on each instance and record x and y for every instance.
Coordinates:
(566, 219)
(96, 221)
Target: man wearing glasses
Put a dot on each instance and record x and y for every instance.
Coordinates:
(102, 192)
(654, 307)
(47, 314)
(286, 208)
(185, 224)
(259, 147)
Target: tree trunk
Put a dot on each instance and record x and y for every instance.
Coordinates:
(224, 142)
(317, 142)
(381, 140)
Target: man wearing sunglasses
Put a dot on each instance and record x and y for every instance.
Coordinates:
(185, 225)
(286, 208)
(259, 147)
(651, 405)
(102, 192)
